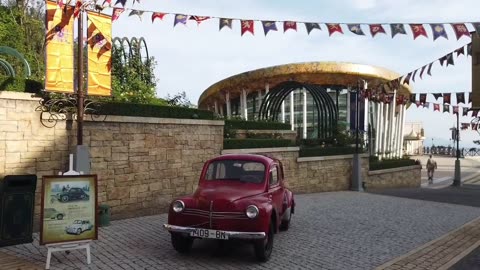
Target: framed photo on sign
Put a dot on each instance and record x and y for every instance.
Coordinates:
(69, 209)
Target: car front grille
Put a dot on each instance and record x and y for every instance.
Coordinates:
(215, 215)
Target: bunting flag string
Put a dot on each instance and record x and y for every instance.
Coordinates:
(418, 29)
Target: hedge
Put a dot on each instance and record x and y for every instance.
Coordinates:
(147, 110)
(255, 125)
(327, 151)
(390, 163)
(255, 143)
(18, 84)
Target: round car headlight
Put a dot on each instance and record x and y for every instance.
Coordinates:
(252, 211)
(178, 206)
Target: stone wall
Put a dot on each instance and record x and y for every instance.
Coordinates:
(312, 174)
(404, 177)
(142, 163)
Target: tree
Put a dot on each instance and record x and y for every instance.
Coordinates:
(180, 99)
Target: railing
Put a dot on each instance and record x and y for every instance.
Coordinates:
(451, 151)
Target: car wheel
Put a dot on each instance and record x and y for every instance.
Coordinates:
(79, 231)
(286, 222)
(181, 243)
(59, 217)
(64, 198)
(264, 247)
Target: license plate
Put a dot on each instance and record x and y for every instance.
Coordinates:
(206, 233)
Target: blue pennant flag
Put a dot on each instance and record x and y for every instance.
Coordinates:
(397, 28)
(356, 29)
(179, 18)
(438, 30)
(269, 26)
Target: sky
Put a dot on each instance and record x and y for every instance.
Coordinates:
(192, 57)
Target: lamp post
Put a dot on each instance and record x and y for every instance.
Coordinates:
(457, 181)
(357, 168)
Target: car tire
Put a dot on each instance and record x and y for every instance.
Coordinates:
(79, 231)
(59, 217)
(286, 222)
(64, 198)
(181, 243)
(263, 248)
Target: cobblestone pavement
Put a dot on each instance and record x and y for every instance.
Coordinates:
(340, 230)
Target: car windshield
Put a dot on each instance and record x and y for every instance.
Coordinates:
(236, 170)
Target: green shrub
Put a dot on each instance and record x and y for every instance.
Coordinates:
(18, 84)
(327, 151)
(148, 110)
(255, 143)
(376, 164)
(255, 125)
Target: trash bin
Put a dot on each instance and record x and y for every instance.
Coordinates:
(17, 198)
(104, 215)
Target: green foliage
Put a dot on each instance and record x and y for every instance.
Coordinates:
(148, 110)
(255, 125)
(376, 164)
(180, 99)
(252, 135)
(19, 84)
(326, 151)
(255, 143)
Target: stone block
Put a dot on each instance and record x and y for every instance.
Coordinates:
(155, 186)
(100, 152)
(118, 193)
(12, 158)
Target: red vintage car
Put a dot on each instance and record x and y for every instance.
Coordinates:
(238, 197)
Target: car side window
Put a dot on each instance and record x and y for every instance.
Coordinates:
(274, 176)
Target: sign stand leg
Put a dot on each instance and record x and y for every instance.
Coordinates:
(67, 247)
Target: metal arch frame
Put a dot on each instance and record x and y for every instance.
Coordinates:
(10, 51)
(327, 114)
(7, 67)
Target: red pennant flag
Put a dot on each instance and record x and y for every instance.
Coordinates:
(158, 15)
(78, 8)
(376, 28)
(418, 30)
(436, 107)
(247, 26)
(455, 109)
(199, 19)
(334, 27)
(418, 103)
(460, 30)
(289, 25)
(116, 13)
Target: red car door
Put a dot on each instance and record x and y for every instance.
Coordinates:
(275, 194)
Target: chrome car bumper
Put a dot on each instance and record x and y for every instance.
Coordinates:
(231, 234)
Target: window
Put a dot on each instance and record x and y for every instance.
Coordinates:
(236, 170)
(274, 176)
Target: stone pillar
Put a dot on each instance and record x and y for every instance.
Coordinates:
(348, 109)
(402, 128)
(292, 110)
(283, 111)
(392, 126)
(229, 104)
(260, 99)
(244, 104)
(377, 127)
(386, 108)
(215, 105)
(267, 89)
(304, 113)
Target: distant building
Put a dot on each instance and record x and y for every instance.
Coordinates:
(413, 136)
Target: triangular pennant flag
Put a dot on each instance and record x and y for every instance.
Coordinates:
(418, 30)
(429, 70)
(356, 29)
(116, 13)
(413, 98)
(423, 98)
(376, 28)
(180, 18)
(450, 59)
(437, 96)
(414, 74)
(460, 30)
(247, 26)
(289, 25)
(397, 29)
(139, 13)
(446, 108)
(123, 2)
(224, 22)
(269, 26)
(158, 15)
(311, 26)
(474, 113)
(442, 60)
(334, 27)
(107, 1)
(438, 30)
(78, 8)
(436, 107)
(460, 51)
(407, 78)
(418, 103)
(460, 98)
(421, 72)
(426, 105)
(446, 98)
(199, 19)
(455, 109)
(465, 111)
(476, 25)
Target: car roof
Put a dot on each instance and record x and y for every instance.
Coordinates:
(252, 157)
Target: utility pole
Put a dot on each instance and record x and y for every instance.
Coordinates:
(457, 181)
(357, 168)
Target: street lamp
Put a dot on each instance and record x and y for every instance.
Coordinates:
(457, 181)
(357, 168)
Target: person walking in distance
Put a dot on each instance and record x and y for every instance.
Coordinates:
(431, 167)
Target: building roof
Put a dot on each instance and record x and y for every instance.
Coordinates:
(321, 73)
